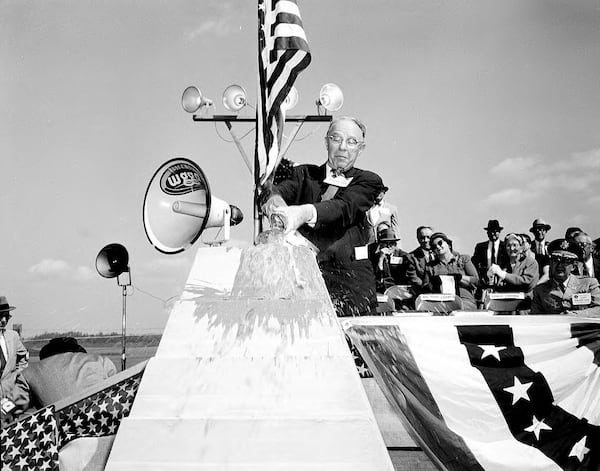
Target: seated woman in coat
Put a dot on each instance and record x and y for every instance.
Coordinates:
(519, 274)
(449, 262)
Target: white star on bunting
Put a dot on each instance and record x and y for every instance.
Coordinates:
(491, 350)
(518, 390)
(579, 450)
(537, 426)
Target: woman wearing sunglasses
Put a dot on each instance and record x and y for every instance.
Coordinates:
(450, 263)
(519, 274)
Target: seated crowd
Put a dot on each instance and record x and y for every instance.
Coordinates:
(555, 277)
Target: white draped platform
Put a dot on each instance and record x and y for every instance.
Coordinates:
(252, 373)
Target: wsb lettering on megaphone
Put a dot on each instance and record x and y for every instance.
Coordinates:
(179, 207)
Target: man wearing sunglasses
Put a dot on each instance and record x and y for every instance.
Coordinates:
(566, 293)
(327, 204)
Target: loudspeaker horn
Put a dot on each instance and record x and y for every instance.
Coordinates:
(331, 97)
(179, 206)
(192, 100)
(291, 100)
(234, 98)
(112, 260)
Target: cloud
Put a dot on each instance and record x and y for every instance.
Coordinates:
(54, 268)
(508, 196)
(516, 166)
(535, 176)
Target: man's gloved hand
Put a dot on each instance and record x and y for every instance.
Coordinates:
(294, 216)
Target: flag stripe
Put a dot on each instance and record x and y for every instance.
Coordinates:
(282, 54)
(569, 370)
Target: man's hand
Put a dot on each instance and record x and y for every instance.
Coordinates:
(496, 270)
(294, 217)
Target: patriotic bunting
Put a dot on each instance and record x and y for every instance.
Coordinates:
(501, 393)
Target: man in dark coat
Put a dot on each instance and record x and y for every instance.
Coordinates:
(327, 204)
(488, 253)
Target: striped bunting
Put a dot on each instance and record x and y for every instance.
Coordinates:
(500, 393)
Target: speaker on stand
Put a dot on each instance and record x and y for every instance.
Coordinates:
(113, 262)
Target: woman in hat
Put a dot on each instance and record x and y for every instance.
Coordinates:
(518, 274)
(449, 262)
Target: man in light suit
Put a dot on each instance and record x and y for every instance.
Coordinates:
(13, 360)
(565, 293)
(65, 368)
(327, 204)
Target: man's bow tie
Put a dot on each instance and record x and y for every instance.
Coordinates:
(337, 172)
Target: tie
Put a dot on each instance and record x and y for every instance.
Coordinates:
(2, 360)
(586, 272)
(493, 257)
(329, 193)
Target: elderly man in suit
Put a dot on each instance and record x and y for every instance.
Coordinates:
(419, 258)
(539, 228)
(13, 360)
(590, 261)
(327, 204)
(564, 292)
(488, 253)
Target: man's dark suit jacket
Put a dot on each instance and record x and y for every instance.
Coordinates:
(579, 268)
(542, 259)
(415, 271)
(340, 228)
(480, 261)
(341, 222)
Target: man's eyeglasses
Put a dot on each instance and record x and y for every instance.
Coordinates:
(585, 245)
(351, 142)
(5, 315)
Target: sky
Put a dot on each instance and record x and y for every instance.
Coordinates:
(474, 109)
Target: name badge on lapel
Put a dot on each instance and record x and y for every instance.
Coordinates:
(395, 260)
(582, 299)
(340, 181)
(361, 253)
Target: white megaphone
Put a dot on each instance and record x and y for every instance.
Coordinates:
(291, 100)
(192, 100)
(178, 207)
(330, 97)
(234, 98)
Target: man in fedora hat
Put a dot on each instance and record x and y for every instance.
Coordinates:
(564, 292)
(488, 253)
(539, 228)
(13, 360)
(389, 262)
(383, 211)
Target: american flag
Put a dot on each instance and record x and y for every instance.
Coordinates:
(500, 393)
(34, 442)
(282, 54)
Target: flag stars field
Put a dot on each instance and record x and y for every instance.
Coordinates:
(518, 390)
(537, 426)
